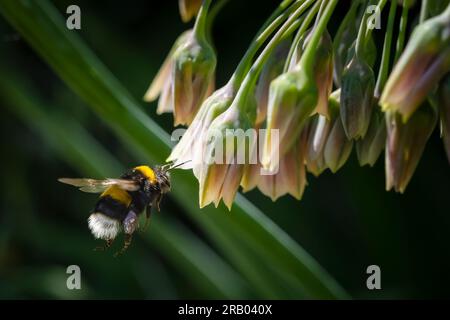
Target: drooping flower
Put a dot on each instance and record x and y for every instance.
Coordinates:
(291, 175)
(405, 144)
(193, 68)
(230, 138)
(424, 62)
(292, 98)
(327, 144)
(190, 148)
(343, 41)
(288, 178)
(186, 77)
(272, 68)
(369, 148)
(358, 83)
(323, 67)
(161, 85)
(316, 134)
(338, 147)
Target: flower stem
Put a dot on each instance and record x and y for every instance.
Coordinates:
(384, 68)
(307, 59)
(250, 79)
(402, 31)
(423, 11)
(201, 21)
(212, 16)
(266, 30)
(301, 31)
(364, 32)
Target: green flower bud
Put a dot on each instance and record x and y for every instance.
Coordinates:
(226, 153)
(369, 54)
(358, 83)
(344, 40)
(291, 176)
(338, 147)
(405, 144)
(161, 85)
(369, 148)
(193, 72)
(323, 67)
(189, 149)
(272, 69)
(422, 65)
(292, 98)
(315, 135)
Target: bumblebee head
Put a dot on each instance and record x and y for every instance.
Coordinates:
(163, 178)
(163, 175)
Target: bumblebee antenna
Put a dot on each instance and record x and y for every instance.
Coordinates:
(172, 166)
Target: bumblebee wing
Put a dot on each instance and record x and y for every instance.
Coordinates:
(97, 186)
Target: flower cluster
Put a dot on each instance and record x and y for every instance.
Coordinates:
(299, 100)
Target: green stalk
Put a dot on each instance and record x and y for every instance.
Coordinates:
(245, 226)
(350, 15)
(402, 31)
(301, 31)
(214, 12)
(385, 59)
(423, 11)
(364, 32)
(308, 57)
(251, 77)
(266, 30)
(200, 27)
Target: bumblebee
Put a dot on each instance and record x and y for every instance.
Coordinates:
(123, 200)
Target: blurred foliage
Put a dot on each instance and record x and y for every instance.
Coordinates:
(346, 221)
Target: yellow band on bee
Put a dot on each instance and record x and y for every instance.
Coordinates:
(147, 172)
(118, 194)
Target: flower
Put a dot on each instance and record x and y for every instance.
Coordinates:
(424, 62)
(292, 98)
(272, 68)
(226, 152)
(189, 149)
(288, 177)
(343, 41)
(162, 83)
(327, 144)
(405, 144)
(315, 134)
(323, 67)
(291, 175)
(189, 9)
(358, 83)
(338, 147)
(369, 148)
(193, 68)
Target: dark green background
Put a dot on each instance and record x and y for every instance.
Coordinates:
(346, 221)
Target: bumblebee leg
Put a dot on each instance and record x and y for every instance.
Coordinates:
(148, 212)
(130, 223)
(126, 244)
(105, 246)
(157, 201)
